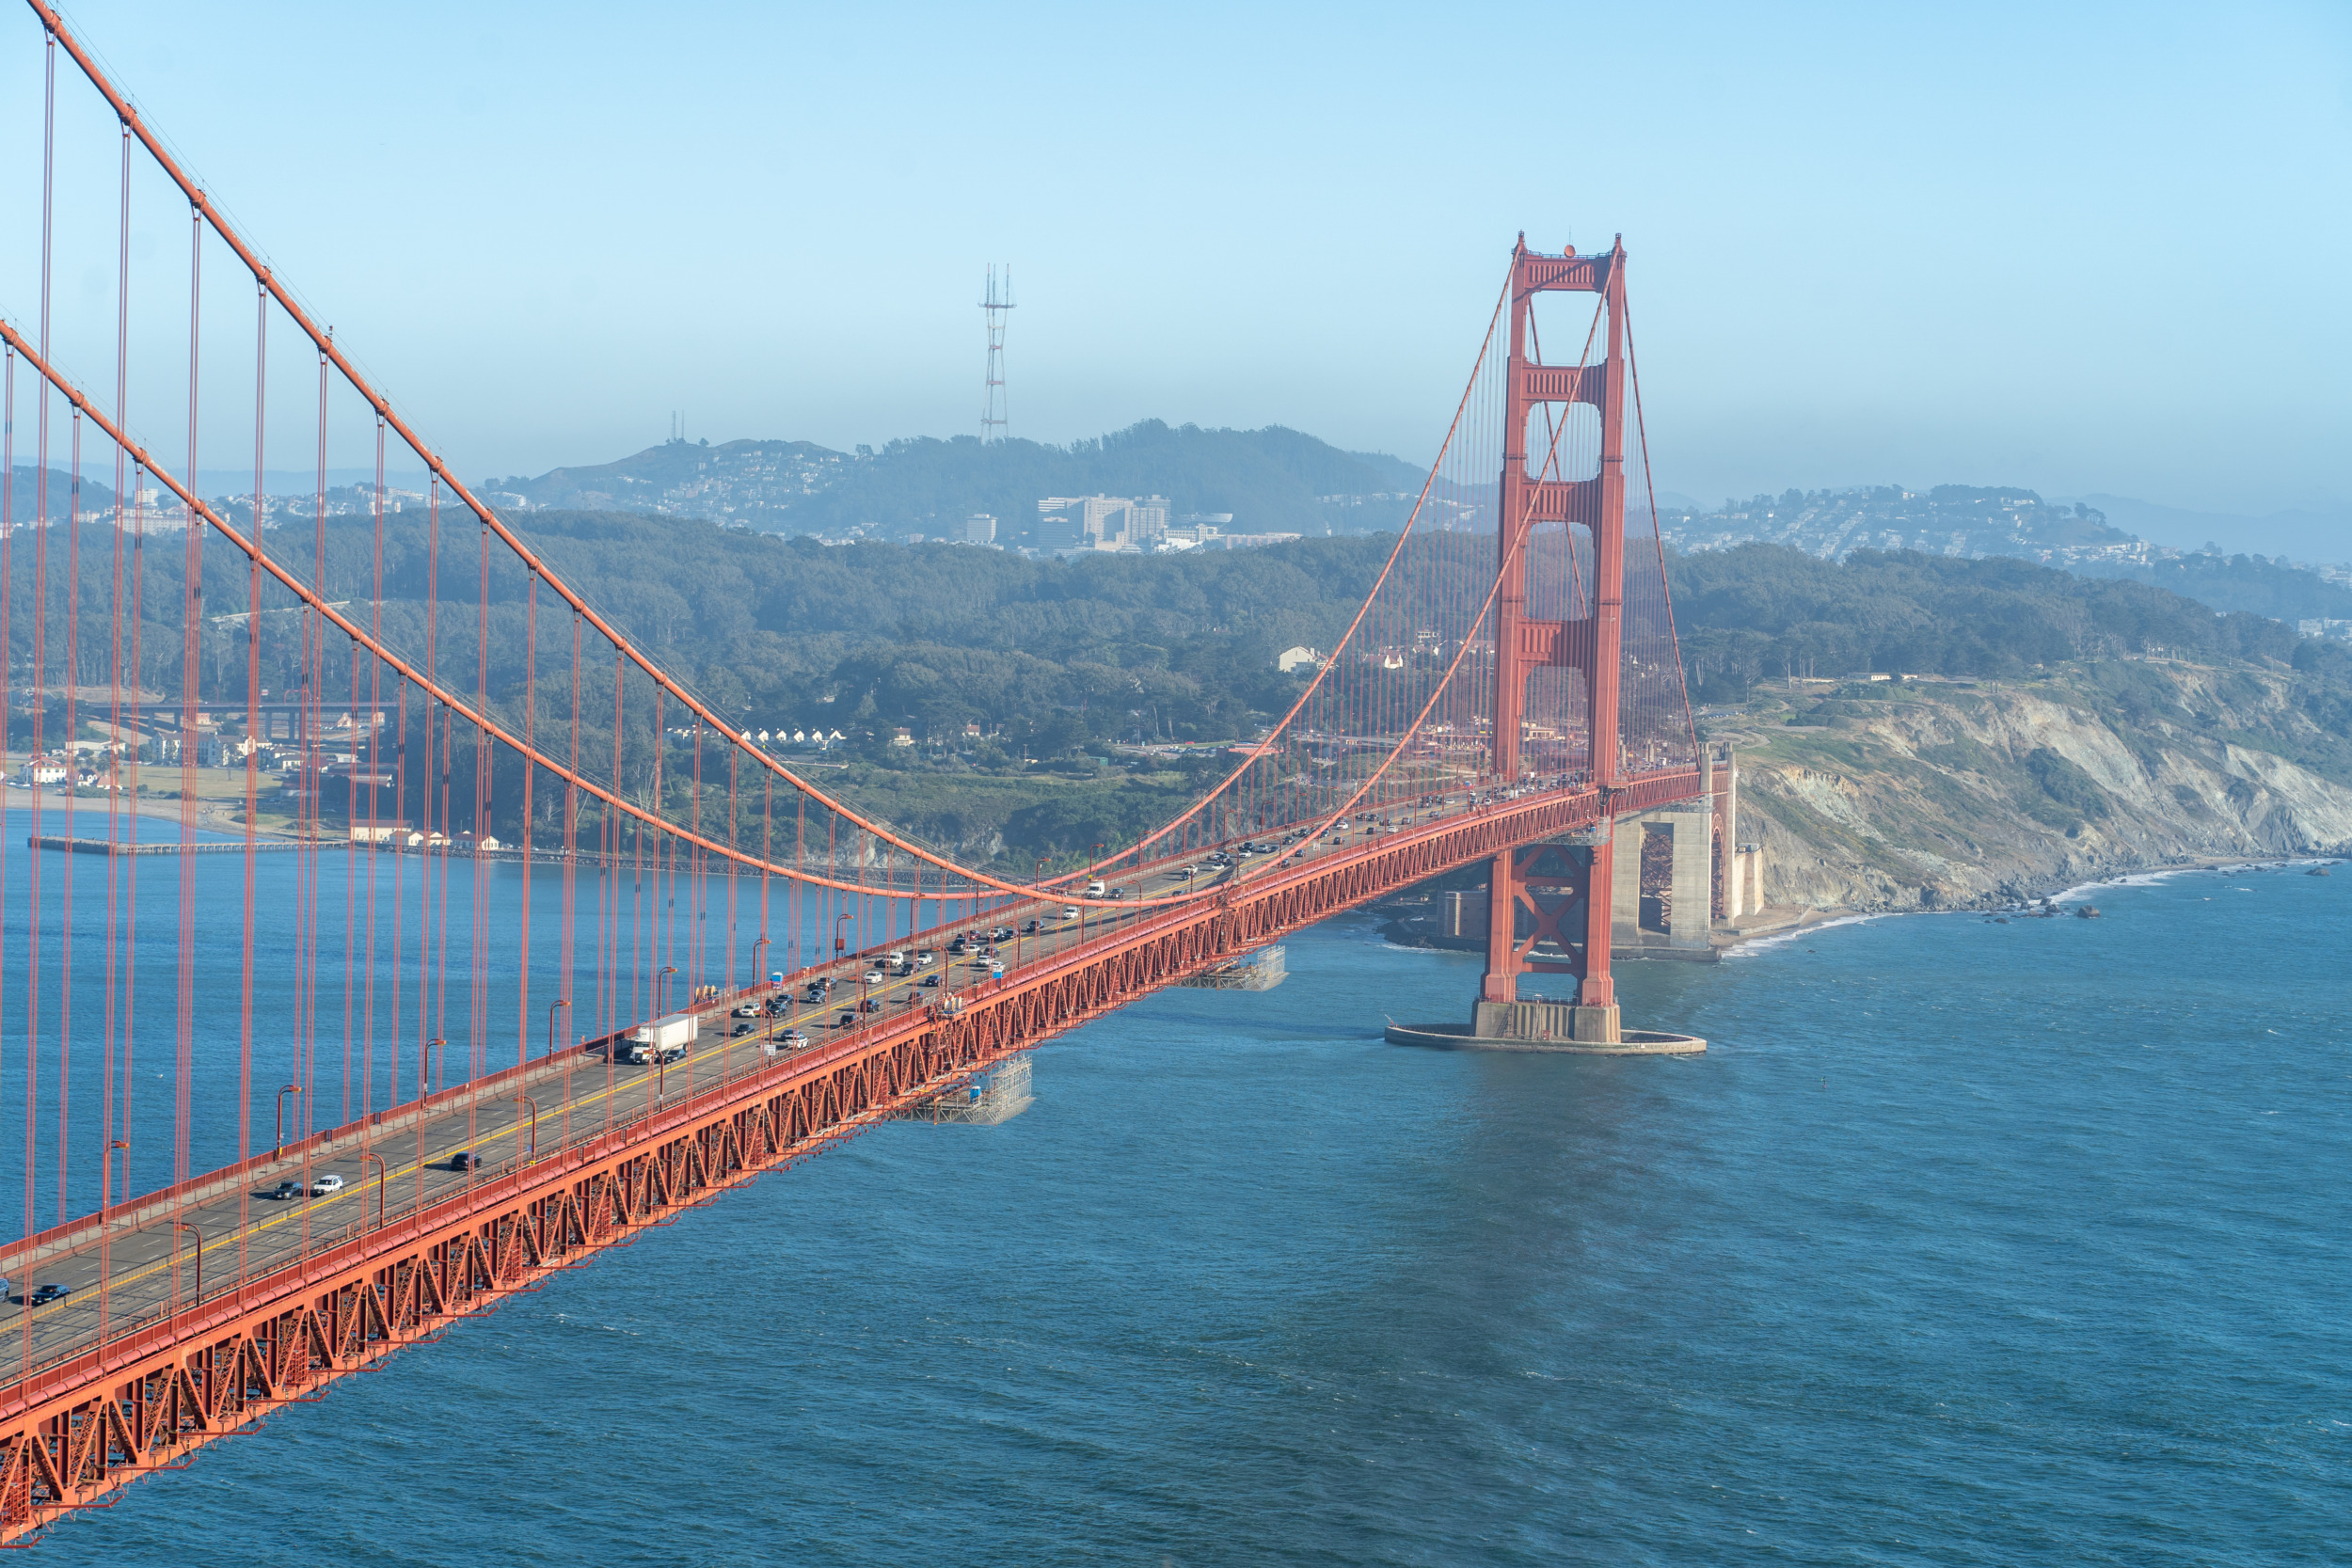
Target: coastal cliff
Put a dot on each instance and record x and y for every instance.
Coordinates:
(1956, 794)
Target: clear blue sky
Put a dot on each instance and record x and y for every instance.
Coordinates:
(2081, 248)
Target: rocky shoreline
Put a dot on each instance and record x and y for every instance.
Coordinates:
(1969, 798)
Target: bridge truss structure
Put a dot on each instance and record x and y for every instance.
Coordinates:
(519, 835)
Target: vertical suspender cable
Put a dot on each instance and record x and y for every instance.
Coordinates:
(62, 1153)
(39, 668)
(530, 731)
(252, 764)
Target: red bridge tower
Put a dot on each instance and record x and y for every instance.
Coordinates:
(1549, 882)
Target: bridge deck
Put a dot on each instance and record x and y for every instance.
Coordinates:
(582, 1098)
(634, 1142)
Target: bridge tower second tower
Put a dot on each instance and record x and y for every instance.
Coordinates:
(1554, 888)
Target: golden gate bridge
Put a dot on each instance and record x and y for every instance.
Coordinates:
(346, 1163)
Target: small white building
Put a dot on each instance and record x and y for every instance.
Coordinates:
(1297, 659)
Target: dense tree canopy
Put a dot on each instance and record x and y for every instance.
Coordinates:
(1053, 660)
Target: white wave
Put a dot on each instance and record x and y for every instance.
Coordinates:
(1758, 945)
(2154, 878)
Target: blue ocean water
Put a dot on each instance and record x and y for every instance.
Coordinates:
(1964, 1243)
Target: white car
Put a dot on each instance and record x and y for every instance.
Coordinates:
(1070, 911)
(330, 1183)
(875, 977)
(749, 1009)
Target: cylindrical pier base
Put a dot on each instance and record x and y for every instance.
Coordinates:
(1461, 1036)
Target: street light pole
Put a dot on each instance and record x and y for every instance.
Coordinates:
(291, 1088)
(424, 1069)
(184, 1225)
(1038, 883)
(383, 1179)
(661, 989)
(1086, 917)
(559, 1001)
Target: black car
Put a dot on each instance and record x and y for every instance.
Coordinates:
(871, 1005)
(48, 1293)
(930, 979)
(845, 1020)
(465, 1160)
(742, 1029)
(1033, 927)
(286, 1190)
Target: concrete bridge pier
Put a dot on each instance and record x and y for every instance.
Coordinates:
(1544, 920)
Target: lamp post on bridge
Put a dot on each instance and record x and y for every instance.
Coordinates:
(559, 1001)
(191, 1230)
(291, 1088)
(383, 1181)
(425, 1068)
(660, 1052)
(1094, 875)
(756, 971)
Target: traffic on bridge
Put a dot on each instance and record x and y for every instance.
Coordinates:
(1507, 690)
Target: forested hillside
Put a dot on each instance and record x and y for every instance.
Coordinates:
(1058, 663)
(1763, 610)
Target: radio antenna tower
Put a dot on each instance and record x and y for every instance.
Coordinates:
(993, 411)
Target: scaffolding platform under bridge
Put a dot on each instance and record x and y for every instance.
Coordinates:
(1260, 970)
(994, 1097)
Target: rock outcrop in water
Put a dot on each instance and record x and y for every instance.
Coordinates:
(1939, 794)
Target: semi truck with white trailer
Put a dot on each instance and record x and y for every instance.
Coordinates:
(665, 1040)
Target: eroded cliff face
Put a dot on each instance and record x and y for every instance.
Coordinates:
(1949, 797)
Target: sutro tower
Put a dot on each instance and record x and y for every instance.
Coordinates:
(993, 411)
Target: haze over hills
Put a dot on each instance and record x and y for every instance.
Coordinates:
(1278, 480)
(1281, 480)
(2318, 533)
(1272, 480)
(1974, 522)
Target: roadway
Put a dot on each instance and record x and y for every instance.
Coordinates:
(410, 1161)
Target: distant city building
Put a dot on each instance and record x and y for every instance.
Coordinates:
(1195, 528)
(1301, 657)
(1102, 522)
(978, 529)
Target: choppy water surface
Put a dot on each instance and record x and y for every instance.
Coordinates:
(1964, 1244)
